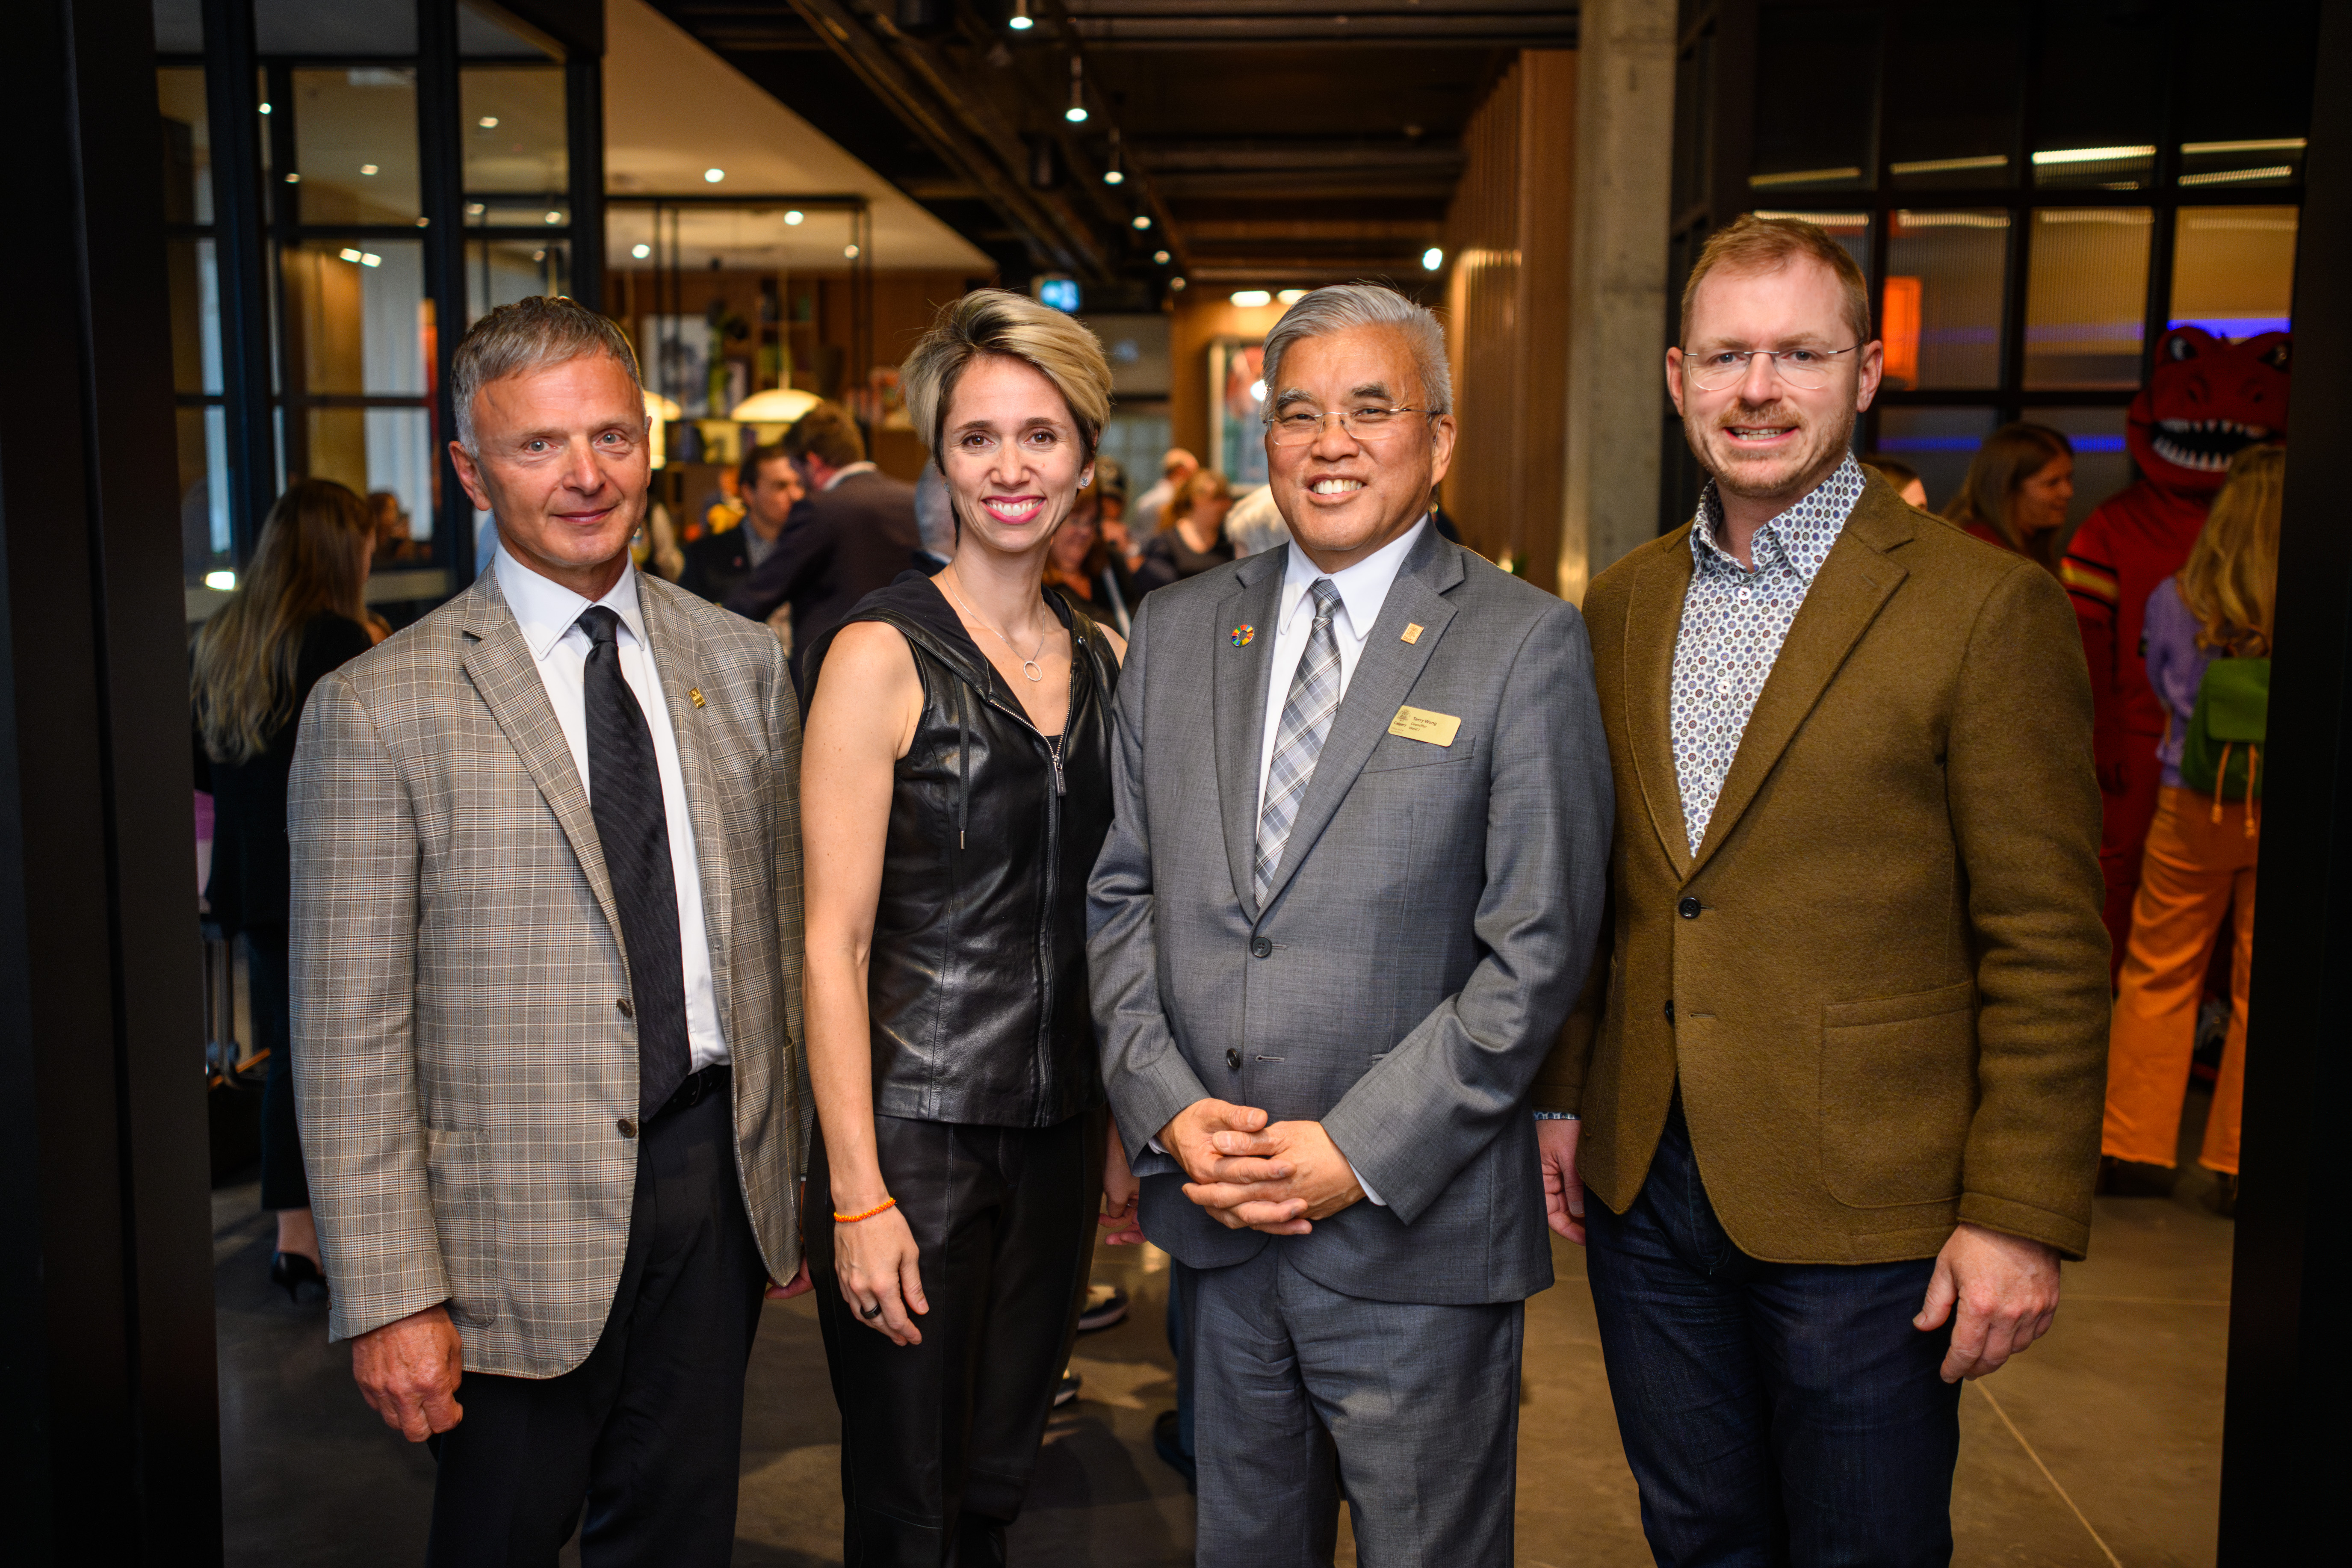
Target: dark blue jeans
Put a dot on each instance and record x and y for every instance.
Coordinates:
(1773, 1413)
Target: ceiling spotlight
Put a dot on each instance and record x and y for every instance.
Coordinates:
(794, 218)
(1432, 259)
(367, 168)
(348, 254)
(488, 123)
(292, 178)
(538, 255)
(712, 176)
(370, 258)
(1175, 282)
(1021, 21)
(555, 217)
(1111, 176)
(1291, 296)
(265, 108)
(1160, 256)
(1251, 298)
(641, 250)
(1077, 113)
(475, 209)
(1142, 220)
(850, 251)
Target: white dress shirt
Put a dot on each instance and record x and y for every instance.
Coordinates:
(549, 614)
(1363, 589)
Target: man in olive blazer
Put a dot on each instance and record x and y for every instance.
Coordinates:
(1846, 1058)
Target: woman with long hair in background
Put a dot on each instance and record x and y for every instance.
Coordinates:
(1193, 539)
(298, 613)
(2209, 643)
(2020, 484)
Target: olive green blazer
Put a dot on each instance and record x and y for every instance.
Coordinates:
(1887, 1006)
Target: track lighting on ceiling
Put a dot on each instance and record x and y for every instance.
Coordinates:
(1077, 113)
(1021, 21)
(1114, 175)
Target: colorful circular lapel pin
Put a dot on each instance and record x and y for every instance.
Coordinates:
(1242, 635)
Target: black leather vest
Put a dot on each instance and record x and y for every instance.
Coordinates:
(977, 984)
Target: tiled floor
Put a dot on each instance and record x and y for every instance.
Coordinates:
(2100, 1448)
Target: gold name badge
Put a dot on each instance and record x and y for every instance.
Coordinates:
(1421, 724)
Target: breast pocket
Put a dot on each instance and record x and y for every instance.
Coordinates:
(1395, 753)
(1898, 1090)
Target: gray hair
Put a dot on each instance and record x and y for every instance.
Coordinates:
(531, 334)
(1344, 306)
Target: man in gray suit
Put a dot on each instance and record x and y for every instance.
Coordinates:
(1363, 819)
(546, 955)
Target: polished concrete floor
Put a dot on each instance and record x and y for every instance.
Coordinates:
(2100, 1448)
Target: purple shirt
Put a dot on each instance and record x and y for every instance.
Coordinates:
(2175, 667)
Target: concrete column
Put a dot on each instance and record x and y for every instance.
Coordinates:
(1617, 318)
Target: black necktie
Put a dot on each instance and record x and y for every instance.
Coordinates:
(625, 795)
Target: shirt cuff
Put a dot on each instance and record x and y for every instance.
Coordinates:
(1370, 1197)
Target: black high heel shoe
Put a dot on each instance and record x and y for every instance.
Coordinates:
(293, 1271)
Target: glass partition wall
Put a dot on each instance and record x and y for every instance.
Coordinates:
(349, 185)
(2035, 191)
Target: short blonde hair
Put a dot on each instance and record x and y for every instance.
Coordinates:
(1753, 244)
(2232, 579)
(1014, 326)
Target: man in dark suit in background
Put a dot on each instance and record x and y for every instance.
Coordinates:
(853, 534)
(769, 485)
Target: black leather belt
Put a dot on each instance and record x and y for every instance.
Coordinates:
(697, 1088)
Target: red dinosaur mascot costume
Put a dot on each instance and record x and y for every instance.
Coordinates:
(2208, 398)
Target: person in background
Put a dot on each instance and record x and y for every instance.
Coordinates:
(1110, 515)
(2202, 847)
(1256, 523)
(1176, 466)
(1082, 562)
(1839, 1082)
(1903, 477)
(934, 520)
(394, 547)
(2020, 484)
(716, 563)
(957, 788)
(1194, 540)
(296, 615)
(854, 533)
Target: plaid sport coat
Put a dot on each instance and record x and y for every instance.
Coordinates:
(464, 1058)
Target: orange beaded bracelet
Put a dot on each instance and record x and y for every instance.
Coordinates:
(841, 1218)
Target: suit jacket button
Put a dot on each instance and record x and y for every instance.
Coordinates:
(628, 1008)
(1670, 1009)
(1687, 908)
(628, 1126)
(1232, 1059)
(1260, 947)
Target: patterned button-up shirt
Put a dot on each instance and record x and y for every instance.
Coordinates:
(1734, 622)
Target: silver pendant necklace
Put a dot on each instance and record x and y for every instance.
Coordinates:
(1030, 668)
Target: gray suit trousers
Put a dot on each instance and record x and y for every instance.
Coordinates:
(1304, 1394)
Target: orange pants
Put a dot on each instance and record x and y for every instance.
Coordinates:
(2193, 866)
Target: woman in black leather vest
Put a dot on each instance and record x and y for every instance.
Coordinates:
(955, 788)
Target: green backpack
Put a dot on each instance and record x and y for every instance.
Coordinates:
(2222, 754)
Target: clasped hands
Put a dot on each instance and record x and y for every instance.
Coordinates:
(1250, 1175)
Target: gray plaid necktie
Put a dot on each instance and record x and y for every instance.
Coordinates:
(1306, 719)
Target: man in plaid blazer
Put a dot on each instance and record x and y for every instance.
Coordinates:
(547, 961)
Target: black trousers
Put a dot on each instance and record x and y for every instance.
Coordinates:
(269, 996)
(647, 1433)
(939, 1440)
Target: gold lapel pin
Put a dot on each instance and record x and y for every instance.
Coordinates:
(695, 691)
(1412, 631)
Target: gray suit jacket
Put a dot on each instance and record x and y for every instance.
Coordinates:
(463, 1062)
(1429, 929)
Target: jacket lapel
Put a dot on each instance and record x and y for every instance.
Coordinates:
(678, 656)
(1853, 585)
(1653, 621)
(1384, 676)
(503, 671)
(1240, 716)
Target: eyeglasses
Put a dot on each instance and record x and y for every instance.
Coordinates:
(1360, 424)
(1806, 368)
